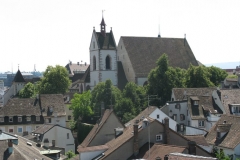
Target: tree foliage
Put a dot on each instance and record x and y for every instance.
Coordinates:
(221, 155)
(163, 78)
(70, 154)
(28, 91)
(81, 105)
(55, 80)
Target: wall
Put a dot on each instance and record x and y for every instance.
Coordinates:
(59, 134)
(29, 127)
(59, 120)
(194, 123)
(141, 81)
(194, 131)
(162, 115)
(8, 94)
(106, 133)
(127, 65)
(182, 110)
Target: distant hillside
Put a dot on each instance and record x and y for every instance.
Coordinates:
(225, 65)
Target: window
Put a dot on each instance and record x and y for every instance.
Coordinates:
(182, 117)
(177, 106)
(67, 135)
(195, 102)
(37, 118)
(157, 116)
(181, 127)
(236, 109)
(94, 63)
(174, 117)
(19, 119)
(187, 112)
(201, 123)
(108, 62)
(10, 119)
(20, 130)
(69, 117)
(158, 137)
(28, 119)
(1, 119)
(10, 130)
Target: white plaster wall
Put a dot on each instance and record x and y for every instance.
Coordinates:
(162, 115)
(30, 127)
(227, 151)
(112, 75)
(59, 120)
(173, 96)
(183, 110)
(218, 101)
(194, 123)
(113, 58)
(89, 155)
(141, 81)
(127, 65)
(59, 134)
(194, 131)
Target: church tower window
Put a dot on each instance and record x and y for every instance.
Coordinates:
(94, 63)
(108, 62)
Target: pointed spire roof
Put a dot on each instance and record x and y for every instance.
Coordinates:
(103, 22)
(18, 77)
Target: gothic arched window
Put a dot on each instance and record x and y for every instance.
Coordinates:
(108, 62)
(94, 63)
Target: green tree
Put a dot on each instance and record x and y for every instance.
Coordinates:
(81, 105)
(221, 155)
(216, 75)
(106, 93)
(70, 154)
(163, 78)
(55, 81)
(28, 91)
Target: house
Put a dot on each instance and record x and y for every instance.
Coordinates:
(138, 55)
(134, 137)
(154, 113)
(18, 148)
(107, 128)
(53, 108)
(229, 100)
(225, 135)
(55, 137)
(76, 70)
(20, 116)
(193, 107)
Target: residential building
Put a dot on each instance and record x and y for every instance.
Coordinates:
(193, 107)
(20, 116)
(106, 129)
(53, 109)
(200, 141)
(134, 137)
(229, 100)
(225, 135)
(18, 148)
(55, 137)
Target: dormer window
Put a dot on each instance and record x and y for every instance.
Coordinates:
(28, 119)
(235, 108)
(19, 119)
(10, 119)
(1, 119)
(195, 103)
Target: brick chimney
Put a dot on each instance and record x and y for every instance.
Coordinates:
(192, 147)
(166, 130)
(135, 139)
(10, 146)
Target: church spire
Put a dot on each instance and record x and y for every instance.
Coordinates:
(103, 26)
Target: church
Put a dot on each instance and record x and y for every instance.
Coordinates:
(131, 60)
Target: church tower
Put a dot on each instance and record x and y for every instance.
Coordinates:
(103, 56)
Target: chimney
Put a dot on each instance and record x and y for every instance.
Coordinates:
(166, 129)
(10, 146)
(25, 133)
(46, 142)
(192, 147)
(85, 63)
(166, 157)
(53, 143)
(135, 139)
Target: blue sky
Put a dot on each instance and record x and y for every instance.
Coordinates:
(50, 32)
